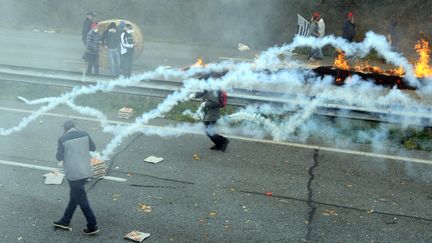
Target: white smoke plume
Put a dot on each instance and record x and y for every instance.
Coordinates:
(300, 95)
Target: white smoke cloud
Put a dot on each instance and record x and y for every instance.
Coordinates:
(300, 95)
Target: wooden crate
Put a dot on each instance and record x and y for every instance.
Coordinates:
(125, 113)
(98, 167)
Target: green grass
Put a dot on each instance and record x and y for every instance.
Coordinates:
(110, 103)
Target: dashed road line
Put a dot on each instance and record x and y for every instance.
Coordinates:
(46, 168)
(297, 145)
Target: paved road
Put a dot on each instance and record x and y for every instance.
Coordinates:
(64, 51)
(317, 195)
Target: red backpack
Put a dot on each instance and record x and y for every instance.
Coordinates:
(223, 98)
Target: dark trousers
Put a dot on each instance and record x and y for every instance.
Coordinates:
(78, 196)
(217, 139)
(92, 62)
(126, 64)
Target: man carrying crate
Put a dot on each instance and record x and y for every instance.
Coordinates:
(73, 149)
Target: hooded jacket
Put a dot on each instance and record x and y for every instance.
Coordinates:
(73, 148)
(126, 44)
(211, 106)
(111, 39)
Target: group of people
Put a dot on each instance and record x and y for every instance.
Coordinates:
(117, 40)
(317, 29)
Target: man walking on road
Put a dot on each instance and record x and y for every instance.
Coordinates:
(211, 115)
(73, 149)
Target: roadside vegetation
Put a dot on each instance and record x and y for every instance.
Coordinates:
(110, 103)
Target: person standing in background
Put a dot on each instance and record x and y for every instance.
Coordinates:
(393, 34)
(318, 31)
(349, 28)
(126, 50)
(92, 49)
(111, 41)
(90, 18)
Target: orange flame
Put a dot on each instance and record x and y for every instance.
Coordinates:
(199, 63)
(422, 68)
(340, 62)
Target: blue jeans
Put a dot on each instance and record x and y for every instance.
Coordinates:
(78, 196)
(92, 62)
(114, 61)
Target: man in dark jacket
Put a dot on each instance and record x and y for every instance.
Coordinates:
(90, 17)
(211, 115)
(111, 41)
(349, 27)
(92, 49)
(126, 50)
(73, 149)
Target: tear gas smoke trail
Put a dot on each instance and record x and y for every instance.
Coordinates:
(104, 87)
(241, 75)
(234, 78)
(372, 41)
(103, 119)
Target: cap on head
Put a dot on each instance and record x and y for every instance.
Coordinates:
(350, 15)
(69, 124)
(129, 26)
(316, 15)
(91, 14)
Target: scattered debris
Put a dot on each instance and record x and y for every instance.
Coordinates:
(153, 159)
(349, 185)
(212, 214)
(98, 167)
(243, 47)
(136, 236)
(54, 178)
(196, 157)
(329, 212)
(369, 210)
(125, 113)
(50, 31)
(268, 194)
(144, 207)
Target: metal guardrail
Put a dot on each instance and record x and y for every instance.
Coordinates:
(238, 97)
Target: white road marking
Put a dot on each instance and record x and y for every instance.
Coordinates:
(298, 145)
(38, 167)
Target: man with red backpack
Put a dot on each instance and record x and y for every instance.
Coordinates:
(213, 101)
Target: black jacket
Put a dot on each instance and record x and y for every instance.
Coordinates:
(85, 29)
(348, 31)
(111, 39)
(92, 43)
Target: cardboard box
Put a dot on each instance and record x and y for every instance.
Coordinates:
(98, 167)
(125, 113)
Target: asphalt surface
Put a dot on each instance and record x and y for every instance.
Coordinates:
(254, 192)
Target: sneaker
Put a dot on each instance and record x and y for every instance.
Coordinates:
(61, 225)
(91, 231)
(225, 145)
(215, 147)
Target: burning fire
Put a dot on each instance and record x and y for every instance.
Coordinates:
(422, 68)
(199, 63)
(340, 62)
